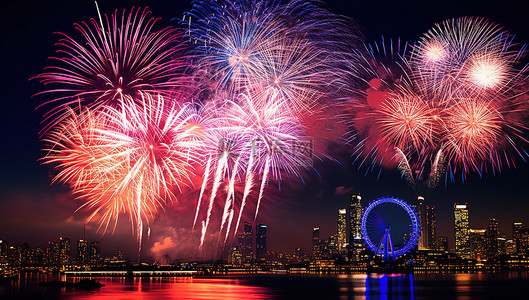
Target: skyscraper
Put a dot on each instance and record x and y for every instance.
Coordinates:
(53, 254)
(517, 228)
(316, 243)
(95, 253)
(341, 237)
(245, 244)
(3, 251)
(442, 244)
(355, 218)
(260, 242)
(431, 227)
(420, 209)
(461, 229)
(82, 253)
(64, 251)
(477, 244)
(492, 239)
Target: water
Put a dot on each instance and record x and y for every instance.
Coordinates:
(359, 286)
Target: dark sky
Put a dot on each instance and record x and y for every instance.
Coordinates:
(32, 211)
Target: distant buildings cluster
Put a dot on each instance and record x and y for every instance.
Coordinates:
(484, 244)
(57, 256)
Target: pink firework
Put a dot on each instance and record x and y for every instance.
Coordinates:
(125, 160)
(269, 145)
(120, 57)
(407, 121)
(465, 57)
(474, 134)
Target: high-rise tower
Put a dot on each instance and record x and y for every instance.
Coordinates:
(341, 237)
(492, 238)
(260, 242)
(461, 228)
(355, 220)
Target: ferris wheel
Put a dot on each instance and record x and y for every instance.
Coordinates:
(390, 227)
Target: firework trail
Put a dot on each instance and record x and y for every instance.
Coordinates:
(268, 140)
(127, 159)
(115, 59)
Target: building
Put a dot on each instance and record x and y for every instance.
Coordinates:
(341, 236)
(83, 253)
(52, 254)
(64, 251)
(235, 257)
(517, 229)
(420, 210)
(461, 229)
(431, 228)
(4, 248)
(316, 243)
(355, 218)
(477, 244)
(245, 244)
(442, 244)
(426, 215)
(260, 242)
(95, 253)
(492, 239)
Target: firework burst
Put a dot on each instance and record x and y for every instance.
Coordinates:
(127, 159)
(115, 59)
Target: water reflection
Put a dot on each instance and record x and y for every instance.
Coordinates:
(384, 286)
(173, 288)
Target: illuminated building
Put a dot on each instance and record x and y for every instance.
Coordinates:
(316, 243)
(3, 251)
(442, 244)
(510, 247)
(502, 244)
(341, 236)
(426, 215)
(245, 244)
(82, 253)
(52, 254)
(355, 218)
(522, 242)
(492, 239)
(517, 229)
(64, 251)
(260, 242)
(235, 257)
(420, 210)
(477, 244)
(95, 253)
(461, 229)
(431, 228)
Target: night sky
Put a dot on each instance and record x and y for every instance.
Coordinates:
(33, 211)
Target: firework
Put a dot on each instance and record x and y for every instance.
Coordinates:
(115, 59)
(127, 159)
(465, 56)
(260, 140)
(448, 104)
(474, 129)
(406, 121)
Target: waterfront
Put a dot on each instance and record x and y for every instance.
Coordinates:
(354, 286)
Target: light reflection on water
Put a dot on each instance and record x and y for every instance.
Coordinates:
(352, 286)
(173, 288)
